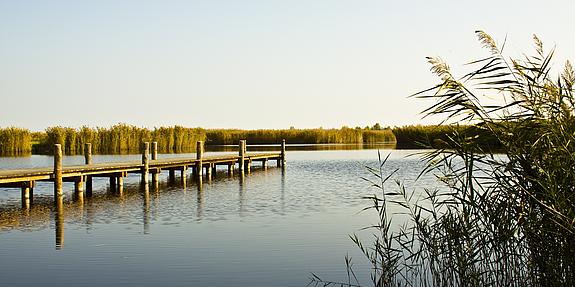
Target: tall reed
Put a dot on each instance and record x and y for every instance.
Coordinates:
(438, 136)
(15, 141)
(503, 219)
(300, 136)
(120, 138)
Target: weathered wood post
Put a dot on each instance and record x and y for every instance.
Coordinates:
(88, 153)
(171, 175)
(145, 162)
(112, 183)
(120, 183)
(265, 164)
(248, 163)
(25, 197)
(88, 161)
(79, 185)
(154, 150)
(283, 153)
(199, 156)
(57, 171)
(209, 170)
(242, 154)
(27, 189)
(155, 173)
(230, 169)
(183, 175)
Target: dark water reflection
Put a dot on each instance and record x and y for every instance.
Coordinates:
(269, 228)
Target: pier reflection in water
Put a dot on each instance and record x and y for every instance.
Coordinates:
(85, 209)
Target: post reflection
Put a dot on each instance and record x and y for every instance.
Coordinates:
(145, 190)
(156, 184)
(200, 200)
(59, 221)
(242, 192)
(283, 189)
(78, 197)
(26, 204)
(89, 214)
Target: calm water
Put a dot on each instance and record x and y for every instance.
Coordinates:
(272, 228)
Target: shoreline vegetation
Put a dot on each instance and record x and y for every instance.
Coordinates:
(123, 138)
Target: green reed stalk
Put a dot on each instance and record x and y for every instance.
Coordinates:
(497, 219)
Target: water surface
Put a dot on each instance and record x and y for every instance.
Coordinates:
(272, 228)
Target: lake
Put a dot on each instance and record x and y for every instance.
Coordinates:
(273, 228)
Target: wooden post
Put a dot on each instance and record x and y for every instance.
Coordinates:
(154, 150)
(79, 185)
(145, 162)
(120, 184)
(88, 153)
(199, 156)
(242, 150)
(88, 161)
(283, 153)
(264, 164)
(57, 171)
(79, 189)
(27, 194)
(249, 166)
(209, 171)
(112, 183)
(230, 169)
(155, 173)
(248, 163)
(183, 175)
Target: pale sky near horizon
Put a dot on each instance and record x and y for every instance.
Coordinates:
(247, 64)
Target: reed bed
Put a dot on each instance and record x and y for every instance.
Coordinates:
(123, 138)
(441, 136)
(15, 141)
(119, 139)
(300, 136)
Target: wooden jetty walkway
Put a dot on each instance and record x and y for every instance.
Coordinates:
(201, 166)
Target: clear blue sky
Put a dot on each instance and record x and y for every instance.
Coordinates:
(246, 64)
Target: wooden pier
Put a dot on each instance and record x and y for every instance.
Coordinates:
(82, 175)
